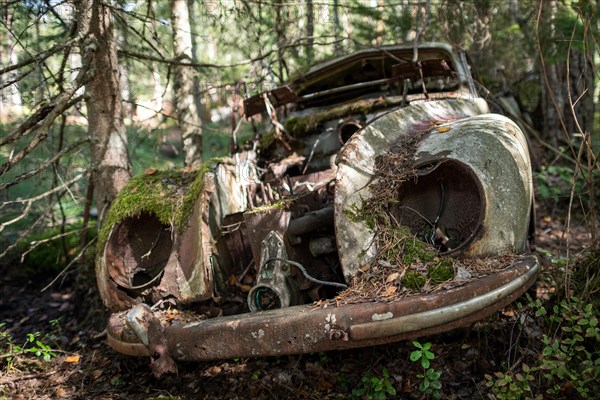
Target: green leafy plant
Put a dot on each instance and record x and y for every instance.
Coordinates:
(430, 378)
(570, 355)
(556, 182)
(512, 386)
(10, 352)
(375, 388)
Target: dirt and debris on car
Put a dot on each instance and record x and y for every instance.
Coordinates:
(385, 202)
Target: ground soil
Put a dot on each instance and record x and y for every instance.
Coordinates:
(71, 318)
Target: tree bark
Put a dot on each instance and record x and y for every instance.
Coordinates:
(310, 31)
(194, 33)
(567, 83)
(336, 28)
(281, 41)
(183, 82)
(110, 160)
(10, 97)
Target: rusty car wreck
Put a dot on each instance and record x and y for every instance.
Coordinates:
(384, 202)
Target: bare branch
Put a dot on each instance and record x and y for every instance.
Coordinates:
(33, 226)
(35, 243)
(46, 194)
(35, 121)
(163, 60)
(38, 58)
(73, 261)
(44, 165)
(18, 218)
(16, 79)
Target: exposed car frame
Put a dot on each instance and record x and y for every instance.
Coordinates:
(254, 252)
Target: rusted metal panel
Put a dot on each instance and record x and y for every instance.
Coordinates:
(304, 329)
(279, 96)
(145, 260)
(356, 169)
(277, 226)
(260, 223)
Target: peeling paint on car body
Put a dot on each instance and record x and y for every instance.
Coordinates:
(271, 226)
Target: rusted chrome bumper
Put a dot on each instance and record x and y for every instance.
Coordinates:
(311, 328)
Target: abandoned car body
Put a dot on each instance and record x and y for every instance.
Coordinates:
(387, 204)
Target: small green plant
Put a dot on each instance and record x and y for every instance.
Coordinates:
(553, 181)
(572, 355)
(255, 376)
(117, 381)
(430, 378)
(375, 388)
(10, 352)
(556, 182)
(323, 359)
(512, 386)
(569, 355)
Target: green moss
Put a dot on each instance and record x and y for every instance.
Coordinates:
(413, 280)
(356, 215)
(167, 194)
(416, 250)
(303, 125)
(267, 139)
(441, 271)
(397, 243)
(280, 205)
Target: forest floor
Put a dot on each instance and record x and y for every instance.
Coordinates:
(71, 319)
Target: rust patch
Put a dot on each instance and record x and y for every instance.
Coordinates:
(312, 328)
(138, 251)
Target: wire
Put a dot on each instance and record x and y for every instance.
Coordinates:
(301, 268)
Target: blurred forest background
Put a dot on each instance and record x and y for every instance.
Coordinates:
(93, 92)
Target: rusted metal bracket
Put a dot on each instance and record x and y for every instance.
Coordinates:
(273, 288)
(147, 327)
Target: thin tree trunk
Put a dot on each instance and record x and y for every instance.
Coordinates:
(187, 112)
(553, 75)
(110, 161)
(567, 83)
(194, 33)
(128, 87)
(9, 96)
(281, 41)
(336, 28)
(310, 31)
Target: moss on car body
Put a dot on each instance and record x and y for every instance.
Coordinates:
(168, 194)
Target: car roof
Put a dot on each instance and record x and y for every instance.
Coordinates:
(316, 78)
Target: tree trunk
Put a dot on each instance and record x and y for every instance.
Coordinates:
(336, 28)
(128, 87)
(565, 111)
(110, 161)
(183, 82)
(10, 97)
(194, 33)
(281, 41)
(310, 31)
